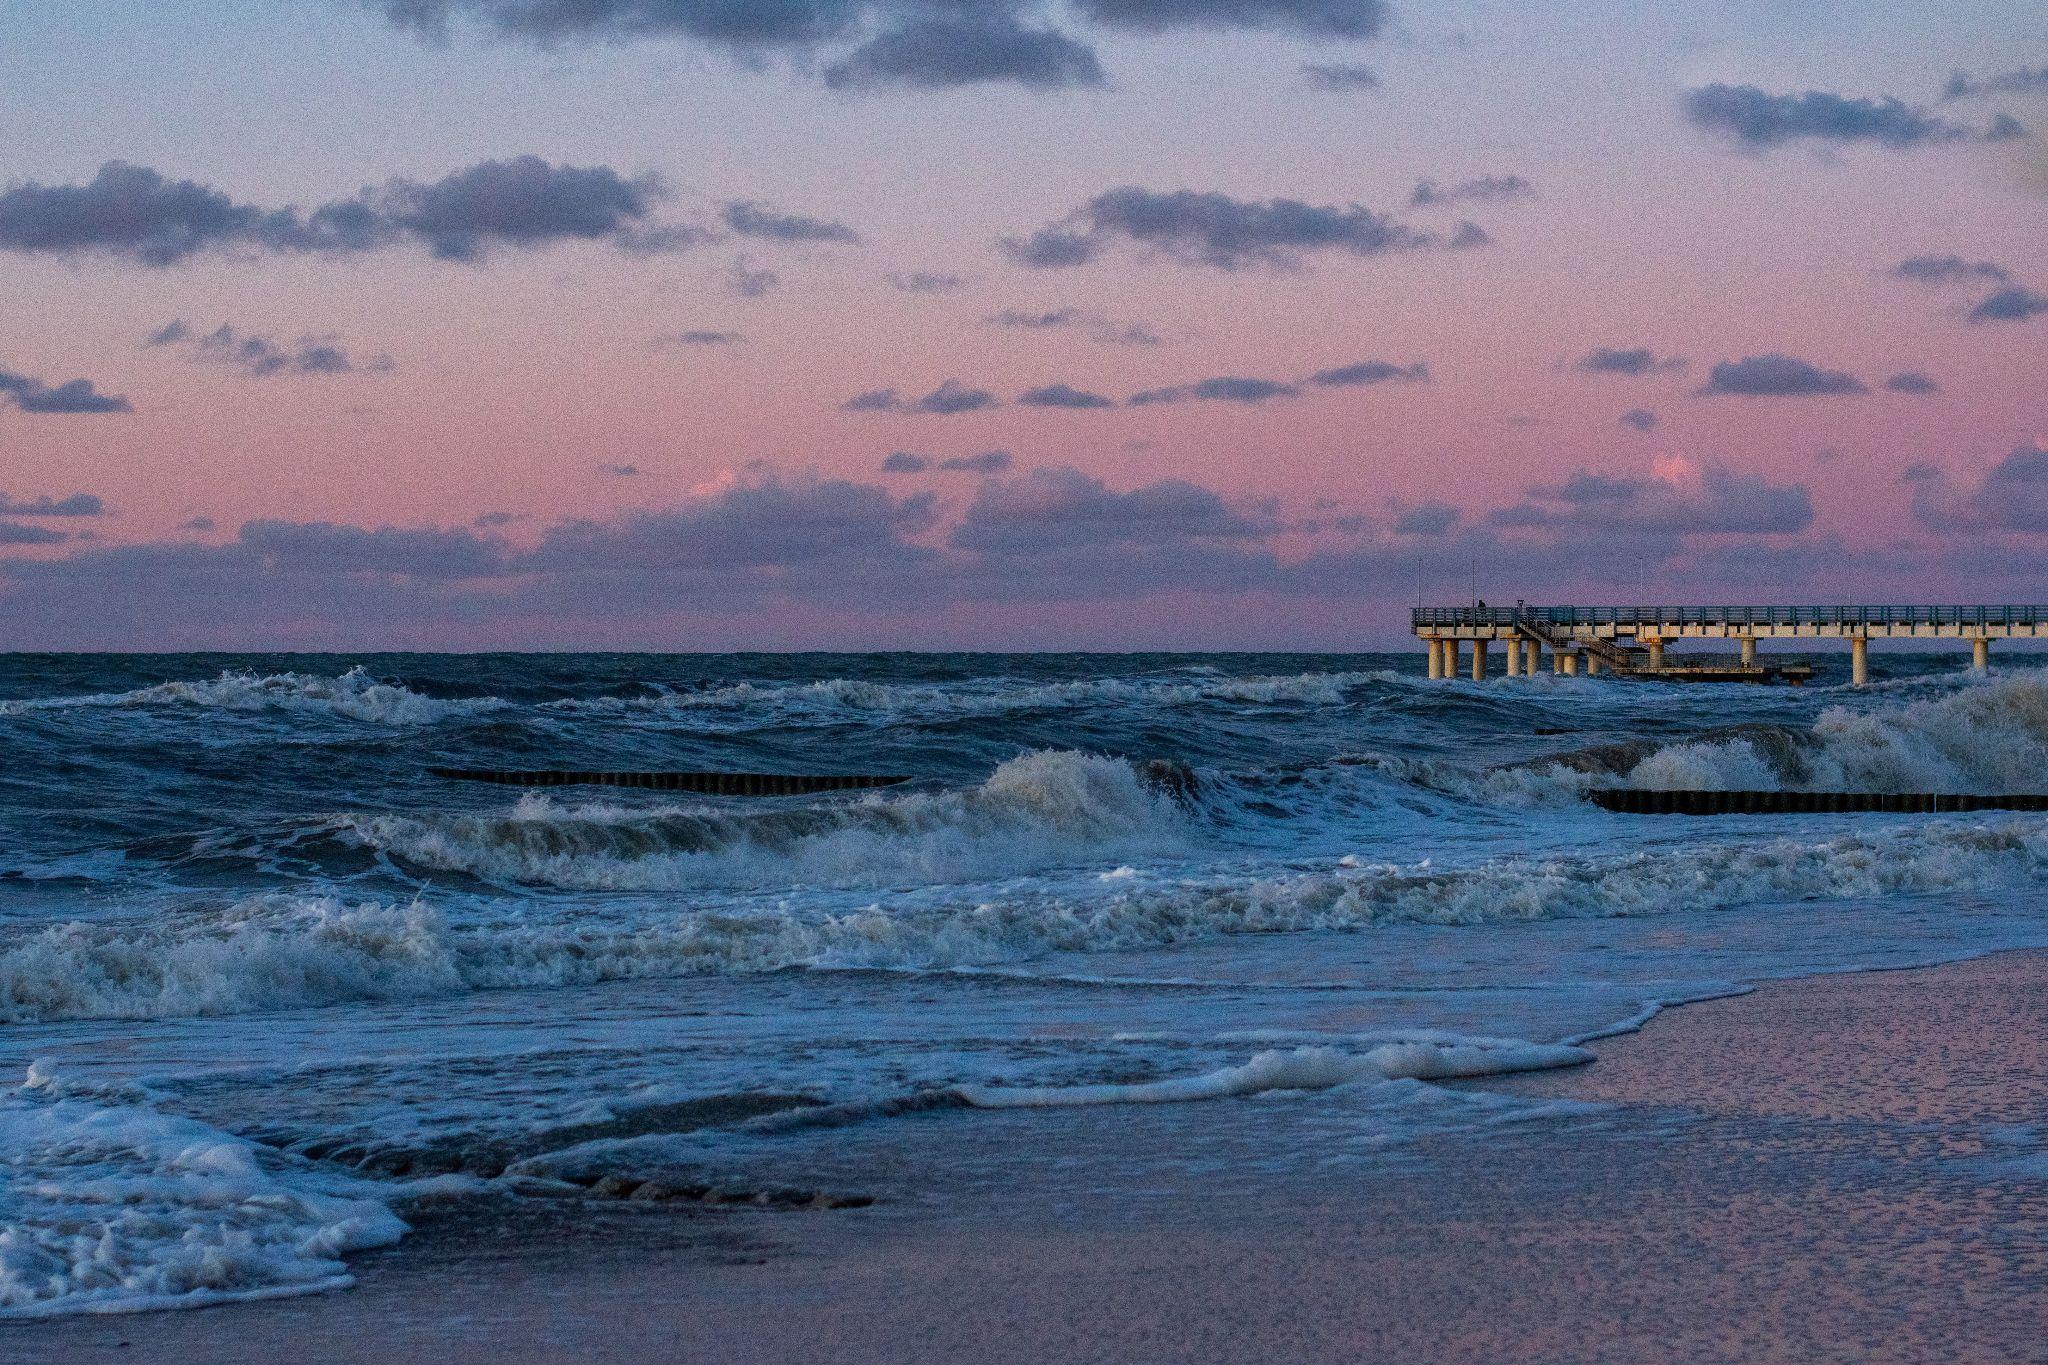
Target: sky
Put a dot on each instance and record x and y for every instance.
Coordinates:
(1007, 324)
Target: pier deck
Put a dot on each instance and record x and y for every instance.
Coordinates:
(1631, 640)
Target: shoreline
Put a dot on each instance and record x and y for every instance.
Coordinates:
(1840, 1166)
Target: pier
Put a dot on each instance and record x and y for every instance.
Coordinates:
(1632, 641)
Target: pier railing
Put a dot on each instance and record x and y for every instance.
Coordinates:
(1456, 617)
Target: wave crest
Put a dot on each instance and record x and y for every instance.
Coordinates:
(354, 695)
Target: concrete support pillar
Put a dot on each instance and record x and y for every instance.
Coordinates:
(1859, 660)
(1479, 660)
(1514, 657)
(1571, 664)
(1593, 664)
(1980, 654)
(1656, 651)
(1557, 658)
(1436, 657)
(1749, 651)
(1532, 657)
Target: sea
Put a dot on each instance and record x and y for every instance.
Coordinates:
(269, 987)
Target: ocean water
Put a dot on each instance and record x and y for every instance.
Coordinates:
(266, 985)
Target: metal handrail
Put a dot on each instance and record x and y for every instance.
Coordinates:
(1733, 616)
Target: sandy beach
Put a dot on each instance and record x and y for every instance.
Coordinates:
(1832, 1168)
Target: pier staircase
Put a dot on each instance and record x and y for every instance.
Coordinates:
(1613, 655)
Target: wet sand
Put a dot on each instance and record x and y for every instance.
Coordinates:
(1840, 1168)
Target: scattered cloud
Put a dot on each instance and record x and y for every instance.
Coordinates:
(2027, 80)
(1634, 362)
(1778, 376)
(951, 397)
(944, 52)
(1755, 120)
(743, 278)
(1063, 396)
(260, 357)
(1098, 327)
(1371, 372)
(1487, 189)
(12, 533)
(203, 524)
(1950, 270)
(924, 281)
(750, 219)
(2013, 304)
(135, 214)
(619, 471)
(703, 337)
(1062, 508)
(1340, 76)
(1641, 419)
(77, 505)
(1222, 233)
(1224, 389)
(903, 462)
(72, 396)
(1911, 381)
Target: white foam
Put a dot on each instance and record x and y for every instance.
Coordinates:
(110, 1206)
(1041, 810)
(1306, 1068)
(283, 952)
(354, 695)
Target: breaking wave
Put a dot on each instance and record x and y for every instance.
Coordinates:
(1040, 810)
(281, 952)
(353, 695)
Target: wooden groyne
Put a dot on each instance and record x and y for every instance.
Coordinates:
(1630, 801)
(703, 784)
(1631, 641)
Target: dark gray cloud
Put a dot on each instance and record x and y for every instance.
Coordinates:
(329, 548)
(260, 357)
(942, 52)
(1911, 381)
(950, 397)
(2014, 304)
(2012, 495)
(72, 396)
(903, 462)
(1641, 419)
(1716, 501)
(1371, 372)
(750, 219)
(12, 533)
(619, 471)
(2027, 80)
(704, 337)
(77, 505)
(1063, 396)
(987, 462)
(1778, 376)
(1756, 120)
(1060, 508)
(1340, 76)
(1487, 189)
(1223, 389)
(135, 214)
(1222, 233)
(1950, 270)
(924, 281)
(1426, 519)
(1632, 361)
